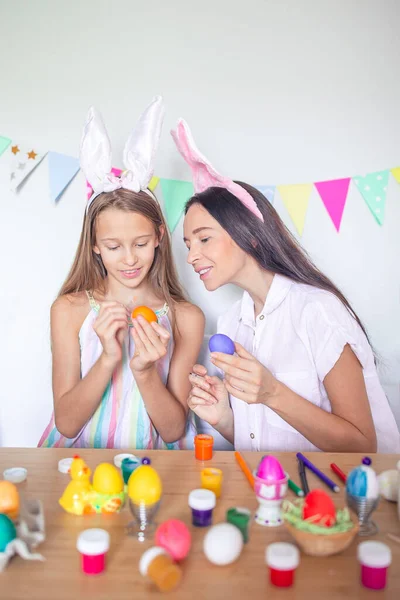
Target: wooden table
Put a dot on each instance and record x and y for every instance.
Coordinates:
(60, 578)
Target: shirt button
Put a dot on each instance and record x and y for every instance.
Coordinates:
(261, 317)
(252, 436)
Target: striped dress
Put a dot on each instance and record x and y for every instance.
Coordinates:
(121, 419)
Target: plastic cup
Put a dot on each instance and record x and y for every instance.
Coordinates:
(157, 565)
(375, 559)
(283, 560)
(211, 479)
(203, 446)
(93, 544)
(202, 502)
(128, 465)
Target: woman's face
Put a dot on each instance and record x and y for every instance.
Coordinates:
(212, 252)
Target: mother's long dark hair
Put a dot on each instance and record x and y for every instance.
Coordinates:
(270, 243)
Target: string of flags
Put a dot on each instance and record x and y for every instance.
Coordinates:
(62, 169)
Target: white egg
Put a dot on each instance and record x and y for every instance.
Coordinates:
(223, 544)
(389, 482)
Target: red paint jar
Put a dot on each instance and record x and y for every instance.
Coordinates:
(375, 559)
(282, 560)
(93, 544)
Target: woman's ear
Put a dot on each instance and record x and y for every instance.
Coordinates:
(96, 250)
(161, 233)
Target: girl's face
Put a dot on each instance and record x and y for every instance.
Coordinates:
(212, 252)
(126, 242)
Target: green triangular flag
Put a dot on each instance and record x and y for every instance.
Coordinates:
(4, 143)
(176, 194)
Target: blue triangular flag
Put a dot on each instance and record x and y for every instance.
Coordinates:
(62, 169)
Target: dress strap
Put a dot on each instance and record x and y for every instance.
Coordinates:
(93, 304)
(163, 311)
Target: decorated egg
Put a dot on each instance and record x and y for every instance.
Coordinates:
(319, 508)
(223, 544)
(8, 533)
(362, 481)
(144, 485)
(107, 479)
(9, 499)
(389, 484)
(145, 312)
(174, 536)
(270, 469)
(221, 343)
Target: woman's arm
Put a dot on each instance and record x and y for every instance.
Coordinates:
(76, 399)
(348, 428)
(166, 405)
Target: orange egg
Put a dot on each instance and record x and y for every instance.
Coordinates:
(145, 312)
(9, 499)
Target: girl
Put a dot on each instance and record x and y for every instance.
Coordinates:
(119, 383)
(304, 375)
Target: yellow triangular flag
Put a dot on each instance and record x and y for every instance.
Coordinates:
(295, 198)
(396, 173)
(153, 183)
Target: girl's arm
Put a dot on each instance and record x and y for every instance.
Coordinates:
(166, 405)
(349, 428)
(76, 399)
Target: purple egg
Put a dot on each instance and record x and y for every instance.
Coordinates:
(270, 469)
(221, 343)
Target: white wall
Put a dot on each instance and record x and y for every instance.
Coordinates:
(275, 92)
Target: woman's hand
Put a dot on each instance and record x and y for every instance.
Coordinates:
(208, 398)
(245, 377)
(111, 326)
(151, 344)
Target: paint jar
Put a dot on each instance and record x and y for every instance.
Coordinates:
(240, 517)
(203, 446)
(93, 544)
(283, 560)
(128, 465)
(375, 558)
(202, 503)
(211, 479)
(157, 565)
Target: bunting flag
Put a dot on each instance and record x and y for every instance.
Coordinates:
(396, 174)
(23, 160)
(152, 185)
(62, 170)
(4, 143)
(295, 198)
(334, 195)
(373, 188)
(176, 194)
(268, 191)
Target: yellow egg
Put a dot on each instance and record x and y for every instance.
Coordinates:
(144, 485)
(107, 479)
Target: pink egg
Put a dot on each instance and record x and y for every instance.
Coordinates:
(174, 536)
(270, 469)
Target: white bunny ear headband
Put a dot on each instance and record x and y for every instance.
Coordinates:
(203, 173)
(139, 152)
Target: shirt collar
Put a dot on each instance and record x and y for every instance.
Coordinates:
(278, 291)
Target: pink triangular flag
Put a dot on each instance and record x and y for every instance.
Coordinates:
(334, 194)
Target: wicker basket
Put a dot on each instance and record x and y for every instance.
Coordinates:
(322, 545)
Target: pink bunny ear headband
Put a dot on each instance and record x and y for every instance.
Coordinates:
(139, 152)
(203, 173)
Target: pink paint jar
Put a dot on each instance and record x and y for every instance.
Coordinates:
(375, 559)
(93, 544)
(283, 560)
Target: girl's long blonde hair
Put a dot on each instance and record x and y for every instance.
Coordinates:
(88, 272)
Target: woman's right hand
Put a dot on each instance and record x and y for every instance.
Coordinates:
(208, 398)
(111, 327)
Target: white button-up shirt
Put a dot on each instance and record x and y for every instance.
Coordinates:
(299, 336)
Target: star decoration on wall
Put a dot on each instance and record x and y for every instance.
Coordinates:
(32, 154)
(14, 149)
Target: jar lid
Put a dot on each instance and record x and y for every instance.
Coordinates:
(118, 458)
(64, 465)
(374, 554)
(204, 439)
(202, 499)
(93, 542)
(15, 474)
(148, 557)
(282, 556)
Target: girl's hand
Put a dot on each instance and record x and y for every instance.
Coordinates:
(245, 377)
(111, 326)
(151, 344)
(208, 398)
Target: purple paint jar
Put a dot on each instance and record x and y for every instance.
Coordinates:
(202, 502)
(375, 559)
